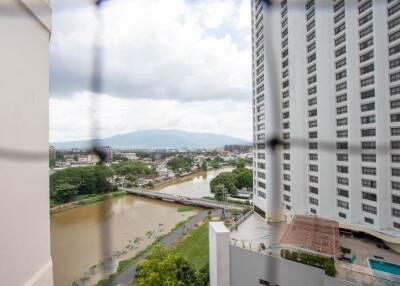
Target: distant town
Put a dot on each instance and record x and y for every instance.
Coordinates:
(139, 168)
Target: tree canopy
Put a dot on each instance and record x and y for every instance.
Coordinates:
(165, 267)
(67, 183)
(231, 181)
(227, 180)
(134, 168)
(179, 164)
(244, 178)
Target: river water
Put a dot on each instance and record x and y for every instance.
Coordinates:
(123, 225)
(195, 186)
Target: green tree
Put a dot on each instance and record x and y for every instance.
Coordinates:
(227, 179)
(219, 192)
(203, 276)
(87, 180)
(215, 164)
(204, 166)
(180, 164)
(64, 193)
(165, 267)
(131, 178)
(134, 168)
(244, 178)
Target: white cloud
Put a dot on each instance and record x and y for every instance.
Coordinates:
(162, 54)
(218, 12)
(71, 117)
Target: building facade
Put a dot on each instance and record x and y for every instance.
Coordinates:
(107, 152)
(331, 70)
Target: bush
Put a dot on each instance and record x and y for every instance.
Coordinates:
(203, 276)
(285, 254)
(330, 268)
(294, 256)
(328, 264)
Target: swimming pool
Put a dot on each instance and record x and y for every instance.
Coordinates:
(384, 266)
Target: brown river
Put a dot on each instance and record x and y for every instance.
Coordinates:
(88, 242)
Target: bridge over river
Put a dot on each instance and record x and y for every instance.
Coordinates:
(183, 199)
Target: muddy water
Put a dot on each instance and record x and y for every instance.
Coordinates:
(196, 186)
(88, 242)
(123, 225)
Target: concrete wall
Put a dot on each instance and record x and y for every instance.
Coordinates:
(248, 267)
(219, 237)
(24, 186)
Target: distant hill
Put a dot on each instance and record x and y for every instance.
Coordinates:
(157, 139)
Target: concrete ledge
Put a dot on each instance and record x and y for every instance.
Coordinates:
(42, 277)
(41, 10)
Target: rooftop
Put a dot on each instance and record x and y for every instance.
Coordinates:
(309, 233)
(313, 233)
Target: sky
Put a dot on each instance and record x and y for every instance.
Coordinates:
(168, 64)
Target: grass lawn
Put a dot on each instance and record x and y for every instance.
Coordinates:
(195, 247)
(186, 209)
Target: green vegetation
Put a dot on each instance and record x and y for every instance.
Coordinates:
(186, 209)
(165, 267)
(195, 247)
(219, 192)
(124, 264)
(118, 194)
(326, 263)
(99, 198)
(133, 169)
(180, 164)
(231, 182)
(66, 184)
(227, 180)
(244, 178)
(241, 162)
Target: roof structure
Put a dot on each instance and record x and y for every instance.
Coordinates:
(313, 233)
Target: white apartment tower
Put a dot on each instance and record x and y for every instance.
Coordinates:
(330, 70)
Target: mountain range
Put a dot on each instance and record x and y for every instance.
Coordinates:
(157, 139)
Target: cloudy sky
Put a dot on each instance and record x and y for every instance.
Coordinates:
(182, 64)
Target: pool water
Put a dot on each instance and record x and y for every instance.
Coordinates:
(385, 266)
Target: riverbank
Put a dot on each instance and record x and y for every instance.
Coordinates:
(86, 201)
(126, 224)
(189, 239)
(126, 276)
(127, 268)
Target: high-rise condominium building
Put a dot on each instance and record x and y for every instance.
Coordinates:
(326, 79)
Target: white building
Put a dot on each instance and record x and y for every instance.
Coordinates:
(25, 28)
(130, 156)
(326, 79)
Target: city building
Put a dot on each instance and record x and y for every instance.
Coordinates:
(107, 151)
(130, 156)
(326, 80)
(238, 148)
(25, 28)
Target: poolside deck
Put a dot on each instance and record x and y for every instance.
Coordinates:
(364, 248)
